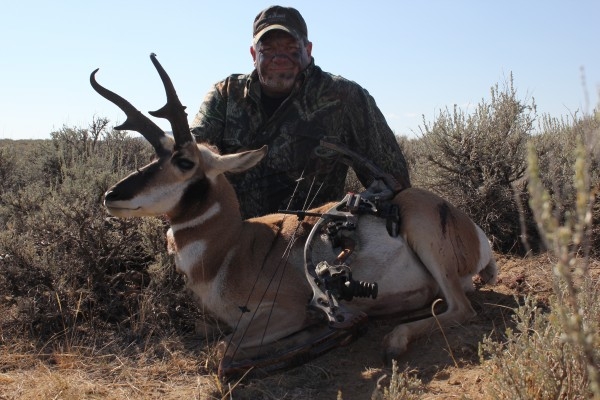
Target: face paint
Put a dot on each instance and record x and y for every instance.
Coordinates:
(279, 59)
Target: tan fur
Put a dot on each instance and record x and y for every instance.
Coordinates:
(257, 265)
(451, 235)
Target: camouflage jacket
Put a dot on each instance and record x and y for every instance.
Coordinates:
(322, 106)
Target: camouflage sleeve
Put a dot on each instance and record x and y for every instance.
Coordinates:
(209, 123)
(371, 136)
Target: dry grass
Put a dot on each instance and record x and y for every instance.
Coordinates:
(84, 374)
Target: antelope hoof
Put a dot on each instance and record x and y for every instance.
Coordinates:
(394, 345)
(390, 354)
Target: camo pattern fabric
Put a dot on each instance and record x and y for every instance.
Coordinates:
(293, 176)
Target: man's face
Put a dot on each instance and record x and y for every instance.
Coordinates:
(279, 58)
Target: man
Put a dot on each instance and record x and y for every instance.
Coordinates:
(290, 104)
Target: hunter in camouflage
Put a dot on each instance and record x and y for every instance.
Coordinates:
(237, 115)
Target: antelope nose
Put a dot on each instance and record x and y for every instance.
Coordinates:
(110, 195)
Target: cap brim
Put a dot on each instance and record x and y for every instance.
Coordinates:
(276, 28)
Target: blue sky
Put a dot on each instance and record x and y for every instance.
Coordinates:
(415, 57)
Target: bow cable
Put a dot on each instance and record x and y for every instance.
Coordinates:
(283, 261)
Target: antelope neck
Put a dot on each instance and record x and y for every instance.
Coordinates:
(199, 220)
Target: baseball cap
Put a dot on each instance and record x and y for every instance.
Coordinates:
(286, 19)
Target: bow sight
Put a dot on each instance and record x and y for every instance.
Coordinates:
(337, 279)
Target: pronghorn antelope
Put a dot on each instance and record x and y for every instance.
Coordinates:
(251, 275)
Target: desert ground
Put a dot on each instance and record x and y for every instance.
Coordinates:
(447, 363)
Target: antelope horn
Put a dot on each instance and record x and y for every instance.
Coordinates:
(136, 121)
(173, 111)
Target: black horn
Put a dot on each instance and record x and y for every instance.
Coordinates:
(136, 121)
(173, 111)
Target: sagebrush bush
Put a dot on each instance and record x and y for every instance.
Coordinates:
(67, 266)
(7, 169)
(555, 355)
(477, 161)
(556, 152)
(534, 362)
(402, 385)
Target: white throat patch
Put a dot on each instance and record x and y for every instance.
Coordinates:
(199, 220)
(189, 255)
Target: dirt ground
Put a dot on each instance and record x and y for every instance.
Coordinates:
(448, 365)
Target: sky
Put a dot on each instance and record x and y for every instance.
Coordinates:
(416, 58)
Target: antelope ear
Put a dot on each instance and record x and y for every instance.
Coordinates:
(237, 162)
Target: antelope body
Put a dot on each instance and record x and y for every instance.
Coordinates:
(250, 273)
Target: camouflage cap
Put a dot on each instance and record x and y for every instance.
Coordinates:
(286, 19)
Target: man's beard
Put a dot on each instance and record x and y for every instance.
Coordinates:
(279, 81)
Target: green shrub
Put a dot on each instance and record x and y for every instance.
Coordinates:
(556, 150)
(557, 354)
(69, 269)
(477, 161)
(7, 168)
(402, 385)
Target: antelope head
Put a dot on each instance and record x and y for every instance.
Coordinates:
(183, 173)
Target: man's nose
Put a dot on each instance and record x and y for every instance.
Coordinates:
(280, 58)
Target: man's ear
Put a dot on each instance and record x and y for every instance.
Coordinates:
(253, 52)
(309, 49)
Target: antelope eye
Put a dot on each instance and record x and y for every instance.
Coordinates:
(184, 164)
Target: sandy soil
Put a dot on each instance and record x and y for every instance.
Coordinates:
(447, 364)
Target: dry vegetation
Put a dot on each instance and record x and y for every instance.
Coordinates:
(91, 307)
